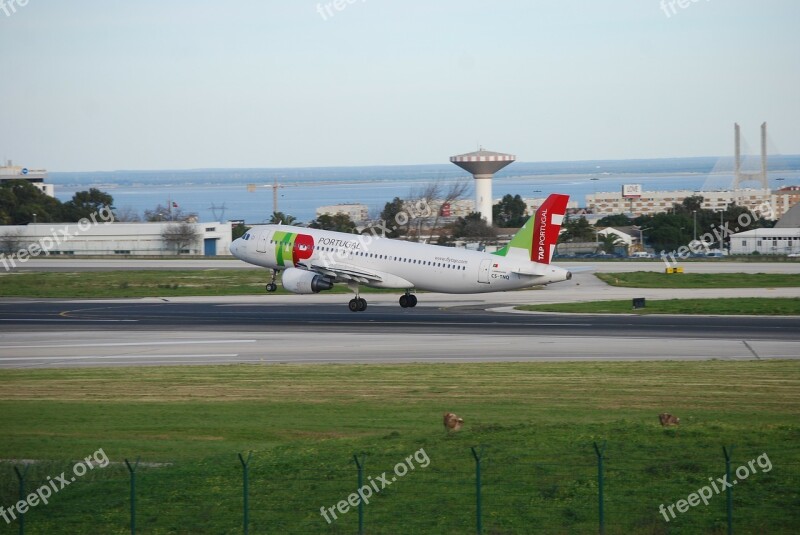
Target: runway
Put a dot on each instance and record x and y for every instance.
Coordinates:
(442, 328)
(319, 329)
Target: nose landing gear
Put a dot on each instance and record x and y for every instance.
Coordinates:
(271, 286)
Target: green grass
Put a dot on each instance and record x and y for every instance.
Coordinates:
(757, 306)
(538, 423)
(142, 283)
(648, 279)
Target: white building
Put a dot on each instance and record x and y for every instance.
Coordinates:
(766, 241)
(35, 176)
(533, 204)
(356, 212)
(103, 238)
(654, 202)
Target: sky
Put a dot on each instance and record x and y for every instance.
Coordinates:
(88, 85)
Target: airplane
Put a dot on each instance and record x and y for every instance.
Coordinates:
(312, 260)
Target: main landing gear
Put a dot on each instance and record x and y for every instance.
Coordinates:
(408, 300)
(271, 286)
(358, 303)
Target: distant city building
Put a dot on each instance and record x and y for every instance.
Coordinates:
(113, 239)
(778, 241)
(453, 209)
(654, 202)
(533, 204)
(356, 212)
(36, 177)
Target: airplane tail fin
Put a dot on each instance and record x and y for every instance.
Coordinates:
(536, 240)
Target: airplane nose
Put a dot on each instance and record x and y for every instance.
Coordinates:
(234, 247)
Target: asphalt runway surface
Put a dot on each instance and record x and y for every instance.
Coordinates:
(320, 329)
(442, 328)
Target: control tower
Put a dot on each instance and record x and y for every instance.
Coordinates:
(483, 164)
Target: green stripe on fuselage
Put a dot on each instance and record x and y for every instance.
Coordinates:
(284, 242)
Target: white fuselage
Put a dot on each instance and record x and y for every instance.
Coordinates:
(389, 263)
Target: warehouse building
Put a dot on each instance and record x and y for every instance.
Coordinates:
(108, 238)
(777, 241)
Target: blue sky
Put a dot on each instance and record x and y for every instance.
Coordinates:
(112, 84)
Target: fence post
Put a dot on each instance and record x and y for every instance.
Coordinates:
(245, 491)
(729, 489)
(478, 454)
(132, 470)
(600, 450)
(21, 477)
(360, 467)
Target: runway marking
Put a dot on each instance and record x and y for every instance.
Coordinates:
(63, 320)
(144, 357)
(126, 344)
(753, 351)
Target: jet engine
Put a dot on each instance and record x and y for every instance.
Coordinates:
(300, 281)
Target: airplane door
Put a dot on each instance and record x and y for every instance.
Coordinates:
(261, 247)
(483, 271)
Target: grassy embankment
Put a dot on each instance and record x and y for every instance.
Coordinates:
(727, 306)
(142, 283)
(303, 424)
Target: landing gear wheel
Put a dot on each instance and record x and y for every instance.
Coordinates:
(362, 304)
(412, 300)
(404, 301)
(271, 286)
(353, 305)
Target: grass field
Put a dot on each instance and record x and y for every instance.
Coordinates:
(538, 423)
(649, 279)
(142, 283)
(173, 283)
(759, 306)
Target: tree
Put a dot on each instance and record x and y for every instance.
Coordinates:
(127, 215)
(20, 200)
(337, 222)
(180, 235)
(12, 241)
(167, 213)
(455, 191)
(509, 212)
(281, 218)
(616, 220)
(85, 203)
(237, 231)
(609, 242)
(473, 226)
(690, 204)
(667, 232)
(390, 218)
(577, 230)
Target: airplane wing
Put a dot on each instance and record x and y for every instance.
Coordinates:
(344, 272)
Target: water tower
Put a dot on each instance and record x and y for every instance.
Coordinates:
(483, 164)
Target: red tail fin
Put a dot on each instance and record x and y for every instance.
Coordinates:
(547, 223)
